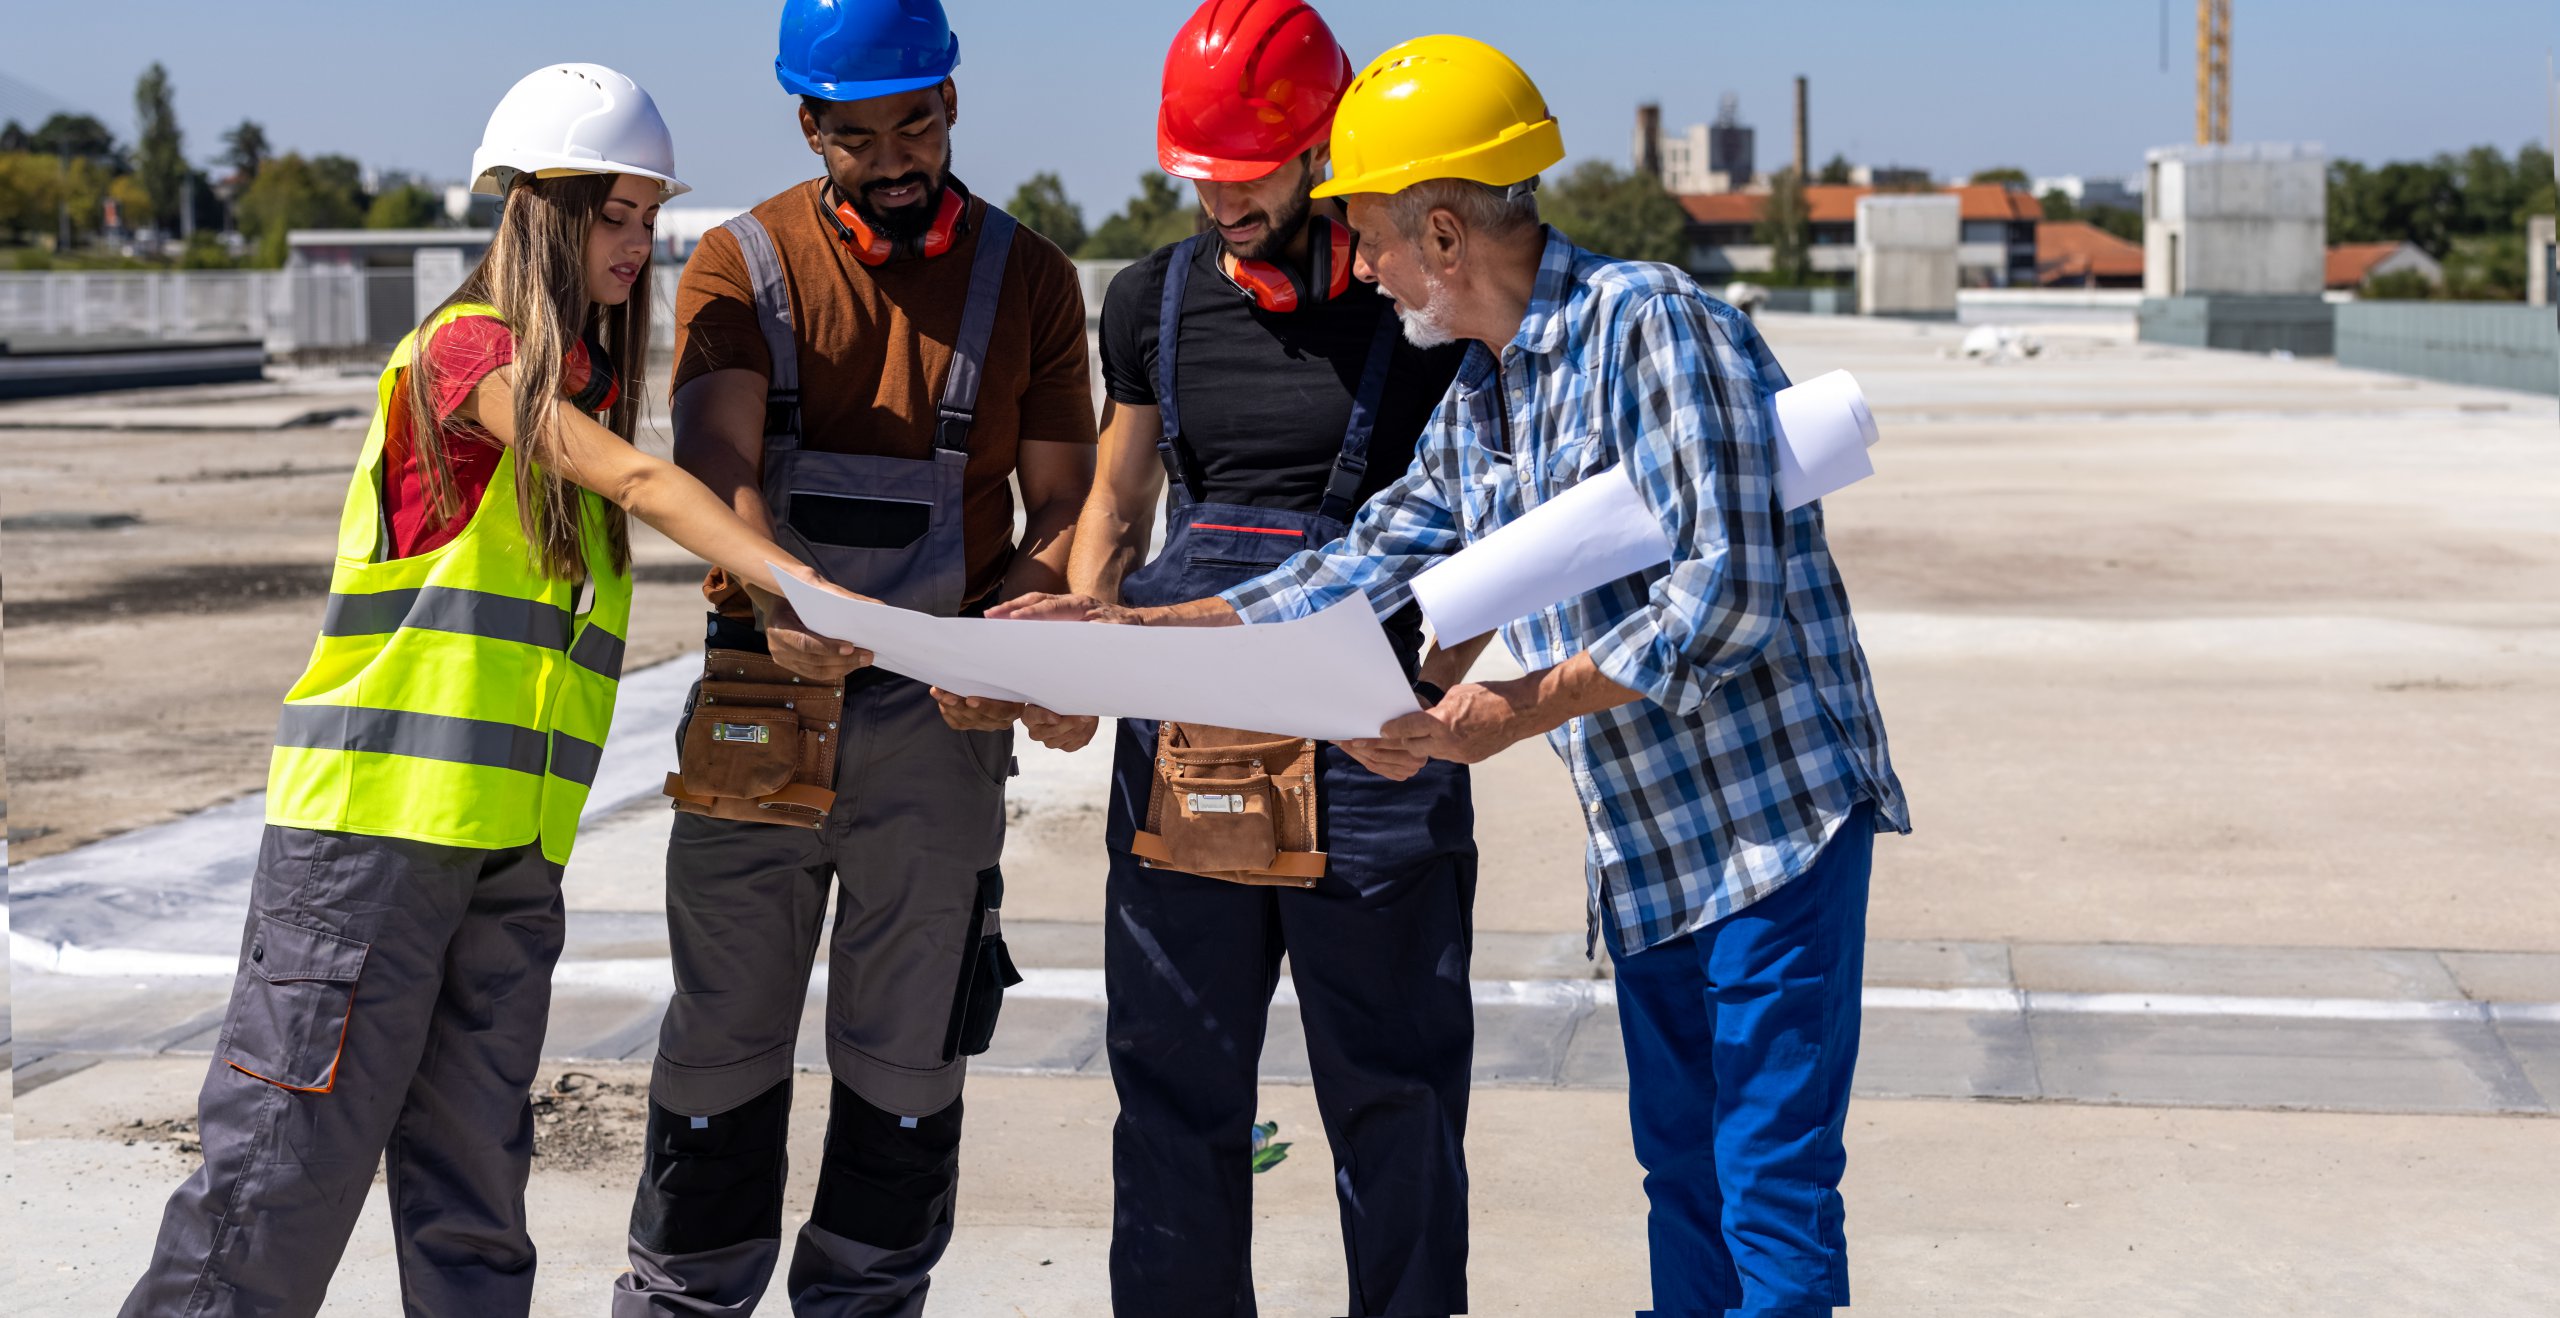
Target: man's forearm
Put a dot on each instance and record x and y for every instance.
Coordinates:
(1048, 544)
(1109, 543)
(1552, 697)
(1209, 612)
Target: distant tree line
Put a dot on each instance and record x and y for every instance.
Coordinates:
(2468, 211)
(64, 180)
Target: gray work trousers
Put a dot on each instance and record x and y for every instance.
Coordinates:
(388, 1010)
(910, 851)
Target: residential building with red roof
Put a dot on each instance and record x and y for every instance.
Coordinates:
(1998, 236)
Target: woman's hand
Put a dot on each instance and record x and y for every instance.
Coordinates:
(794, 646)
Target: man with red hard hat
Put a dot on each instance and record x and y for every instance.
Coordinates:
(1248, 370)
(868, 362)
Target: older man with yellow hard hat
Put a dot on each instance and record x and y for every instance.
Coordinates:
(1715, 713)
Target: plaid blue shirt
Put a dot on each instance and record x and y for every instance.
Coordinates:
(1759, 730)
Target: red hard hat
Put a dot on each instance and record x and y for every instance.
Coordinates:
(1247, 85)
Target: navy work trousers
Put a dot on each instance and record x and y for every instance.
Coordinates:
(1741, 1038)
(1380, 967)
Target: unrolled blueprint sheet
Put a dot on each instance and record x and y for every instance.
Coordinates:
(1332, 676)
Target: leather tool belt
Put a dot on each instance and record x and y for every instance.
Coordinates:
(760, 744)
(1237, 806)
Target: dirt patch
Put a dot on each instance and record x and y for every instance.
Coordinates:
(197, 588)
(179, 1133)
(285, 472)
(61, 521)
(582, 1122)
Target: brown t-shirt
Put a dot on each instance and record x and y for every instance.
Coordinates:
(876, 345)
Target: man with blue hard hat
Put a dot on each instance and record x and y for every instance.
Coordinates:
(867, 363)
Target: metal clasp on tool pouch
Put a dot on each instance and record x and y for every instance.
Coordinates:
(1218, 804)
(755, 732)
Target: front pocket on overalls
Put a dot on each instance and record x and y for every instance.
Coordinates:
(289, 1016)
(986, 971)
(854, 522)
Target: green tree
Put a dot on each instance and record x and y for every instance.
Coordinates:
(1044, 208)
(205, 252)
(2117, 220)
(1786, 229)
(1835, 170)
(1618, 213)
(2058, 205)
(14, 139)
(1158, 215)
(160, 156)
(78, 136)
(2007, 176)
(293, 193)
(245, 149)
(405, 206)
(2398, 286)
(30, 194)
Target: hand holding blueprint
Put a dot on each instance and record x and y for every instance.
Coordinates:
(1332, 676)
(1600, 530)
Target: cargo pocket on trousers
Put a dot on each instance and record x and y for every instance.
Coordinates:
(289, 1019)
(986, 971)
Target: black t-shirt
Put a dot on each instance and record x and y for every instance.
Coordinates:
(1265, 396)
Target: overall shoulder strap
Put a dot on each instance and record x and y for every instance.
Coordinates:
(1177, 283)
(977, 326)
(773, 316)
(1342, 491)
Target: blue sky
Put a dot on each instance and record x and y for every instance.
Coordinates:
(2053, 86)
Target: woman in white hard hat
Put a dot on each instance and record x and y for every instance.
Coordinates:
(432, 762)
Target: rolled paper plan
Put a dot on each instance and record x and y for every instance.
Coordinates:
(1580, 540)
(1600, 530)
(1824, 432)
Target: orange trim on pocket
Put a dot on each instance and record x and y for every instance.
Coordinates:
(334, 1059)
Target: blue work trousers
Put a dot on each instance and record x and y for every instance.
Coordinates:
(1741, 1038)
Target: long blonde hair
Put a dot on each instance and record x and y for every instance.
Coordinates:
(534, 273)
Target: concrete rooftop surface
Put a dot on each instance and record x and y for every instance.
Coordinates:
(2220, 977)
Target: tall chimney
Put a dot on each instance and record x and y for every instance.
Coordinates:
(1649, 141)
(1804, 143)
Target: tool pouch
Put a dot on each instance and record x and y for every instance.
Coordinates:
(1237, 806)
(759, 743)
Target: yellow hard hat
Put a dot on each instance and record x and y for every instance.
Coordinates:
(1440, 107)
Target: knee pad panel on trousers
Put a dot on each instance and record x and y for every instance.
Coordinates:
(881, 1182)
(716, 1185)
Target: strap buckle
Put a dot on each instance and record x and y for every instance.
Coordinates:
(951, 429)
(782, 413)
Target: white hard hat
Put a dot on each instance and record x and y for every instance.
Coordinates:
(581, 118)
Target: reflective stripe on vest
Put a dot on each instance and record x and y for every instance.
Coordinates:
(455, 696)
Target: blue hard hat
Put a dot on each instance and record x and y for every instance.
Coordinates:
(853, 50)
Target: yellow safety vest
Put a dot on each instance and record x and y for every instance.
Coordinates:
(458, 696)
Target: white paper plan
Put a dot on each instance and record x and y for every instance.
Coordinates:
(1332, 676)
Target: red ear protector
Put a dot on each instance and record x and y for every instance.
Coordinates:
(876, 248)
(1275, 288)
(593, 383)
